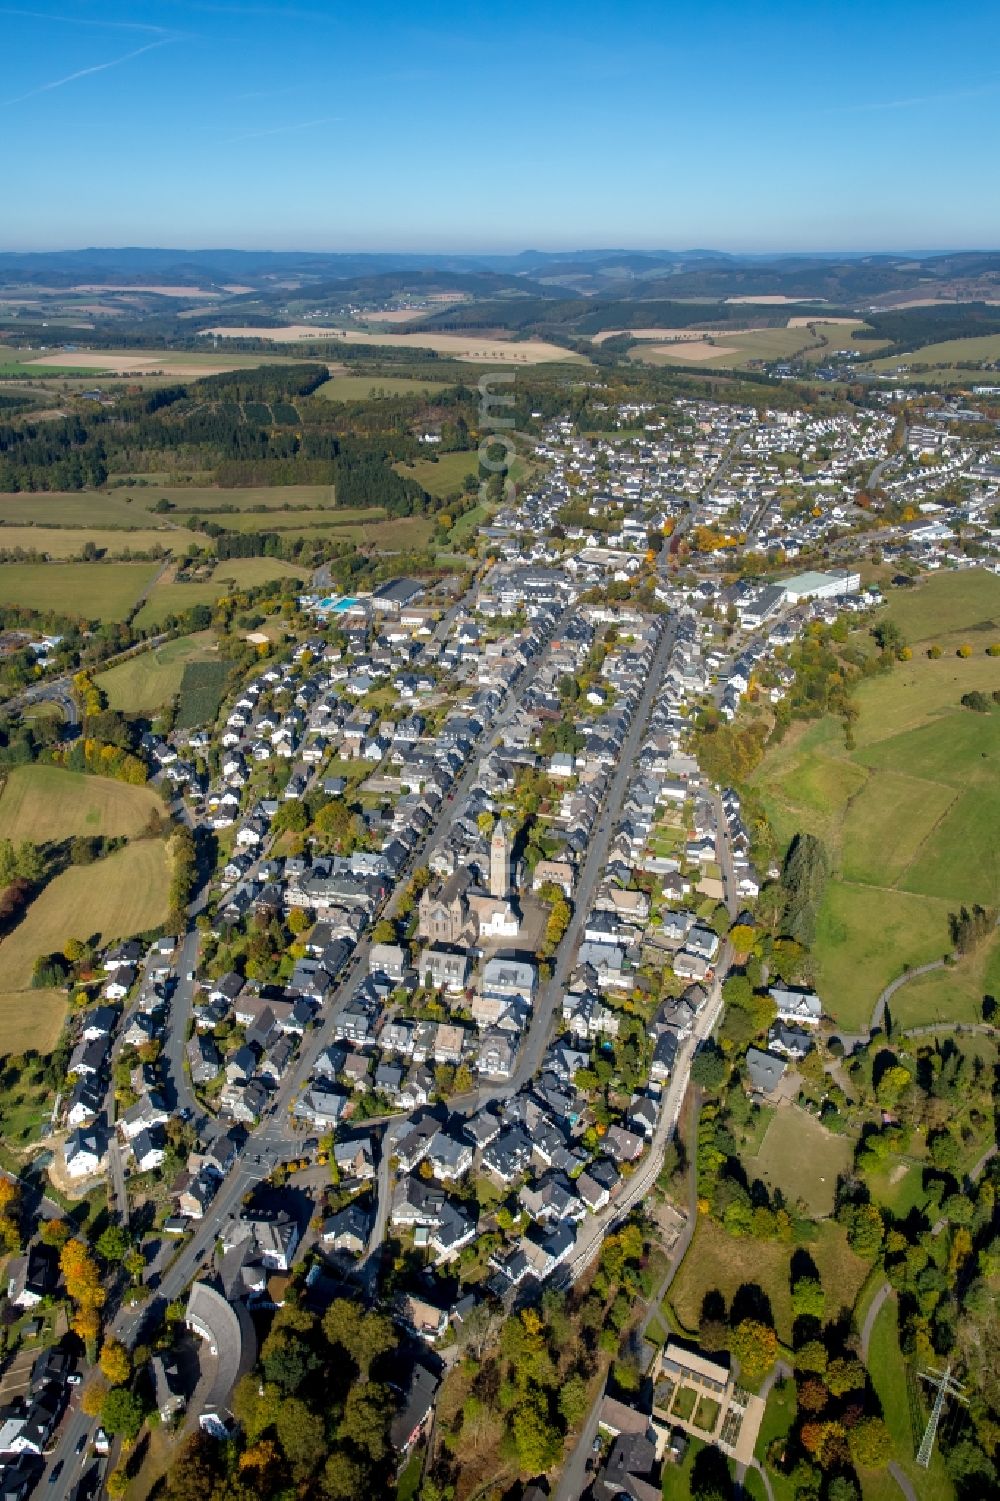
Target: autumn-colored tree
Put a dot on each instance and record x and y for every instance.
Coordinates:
(10, 1235)
(93, 1397)
(812, 1356)
(742, 937)
(83, 1284)
(812, 1395)
(755, 1346)
(115, 1362)
(254, 1405)
(866, 1231)
(870, 1444)
(54, 1232)
(262, 1459)
(844, 1376)
(116, 1484)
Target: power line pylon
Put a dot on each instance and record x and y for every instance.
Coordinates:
(945, 1386)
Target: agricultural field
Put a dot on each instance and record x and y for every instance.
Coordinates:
(43, 803)
(129, 895)
(909, 815)
(76, 508)
(444, 475)
(92, 591)
(733, 351)
(802, 1158)
(394, 534)
(61, 543)
(291, 522)
(838, 336)
(177, 364)
(149, 680)
(208, 498)
(170, 597)
(363, 387)
(30, 1020)
(477, 347)
(202, 689)
(716, 1260)
(979, 349)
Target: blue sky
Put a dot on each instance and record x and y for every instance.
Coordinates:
(433, 126)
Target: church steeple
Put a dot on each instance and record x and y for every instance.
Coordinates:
(500, 862)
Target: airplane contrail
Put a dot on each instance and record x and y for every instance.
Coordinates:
(38, 15)
(58, 83)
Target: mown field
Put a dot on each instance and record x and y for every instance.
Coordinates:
(44, 803)
(76, 508)
(980, 348)
(363, 387)
(127, 894)
(716, 1260)
(952, 994)
(838, 336)
(733, 351)
(150, 680)
(802, 1158)
(209, 498)
(394, 534)
(444, 475)
(93, 591)
(910, 816)
(170, 597)
(61, 542)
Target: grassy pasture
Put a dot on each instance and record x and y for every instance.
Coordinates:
(947, 352)
(127, 895)
(391, 535)
(207, 498)
(93, 591)
(910, 815)
(892, 1382)
(802, 1158)
(442, 476)
(150, 680)
(961, 863)
(477, 347)
(293, 522)
(953, 994)
(363, 387)
(31, 370)
(729, 351)
(886, 823)
(30, 1020)
(838, 337)
(717, 1260)
(943, 603)
(49, 803)
(63, 542)
(75, 508)
(246, 573)
(866, 937)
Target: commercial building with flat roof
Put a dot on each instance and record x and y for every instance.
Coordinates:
(815, 585)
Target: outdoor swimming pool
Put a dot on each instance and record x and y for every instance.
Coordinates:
(337, 606)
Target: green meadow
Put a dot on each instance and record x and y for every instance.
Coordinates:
(910, 815)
